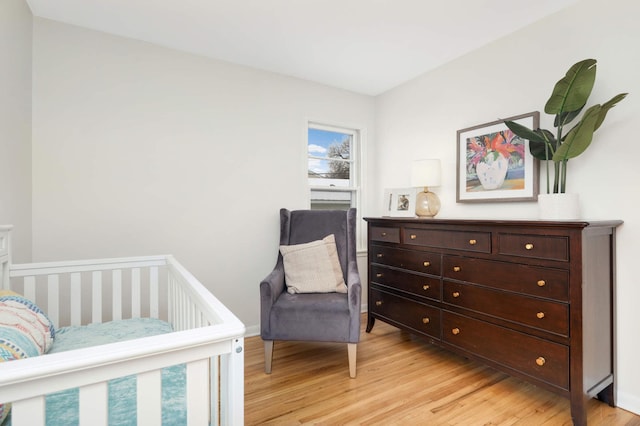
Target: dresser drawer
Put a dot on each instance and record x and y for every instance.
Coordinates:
(542, 314)
(419, 317)
(534, 246)
(537, 281)
(458, 240)
(417, 284)
(419, 261)
(384, 233)
(535, 357)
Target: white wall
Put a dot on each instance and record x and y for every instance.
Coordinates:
(513, 76)
(139, 149)
(15, 123)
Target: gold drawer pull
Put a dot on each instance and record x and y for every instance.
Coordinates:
(541, 283)
(456, 294)
(426, 287)
(455, 331)
(378, 302)
(413, 236)
(540, 361)
(540, 315)
(426, 263)
(473, 242)
(528, 246)
(378, 275)
(456, 269)
(384, 234)
(379, 255)
(425, 320)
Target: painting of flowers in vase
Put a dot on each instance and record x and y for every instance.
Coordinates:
(494, 164)
(491, 157)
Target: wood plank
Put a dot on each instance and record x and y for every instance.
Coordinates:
(401, 379)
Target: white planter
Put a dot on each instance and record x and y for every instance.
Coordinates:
(559, 206)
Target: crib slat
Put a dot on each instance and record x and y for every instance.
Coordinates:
(194, 316)
(30, 288)
(182, 319)
(116, 306)
(232, 384)
(149, 398)
(198, 392)
(154, 303)
(96, 297)
(53, 298)
(177, 303)
(214, 390)
(28, 411)
(172, 303)
(135, 293)
(76, 299)
(184, 302)
(94, 401)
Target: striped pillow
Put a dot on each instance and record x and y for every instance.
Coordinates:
(25, 331)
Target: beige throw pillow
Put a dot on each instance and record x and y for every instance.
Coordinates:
(313, 267)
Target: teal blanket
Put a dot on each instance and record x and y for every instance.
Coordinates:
(62, 407)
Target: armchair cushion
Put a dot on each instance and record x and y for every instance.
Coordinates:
(313, 267)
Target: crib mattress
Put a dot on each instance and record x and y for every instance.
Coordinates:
(62, 407)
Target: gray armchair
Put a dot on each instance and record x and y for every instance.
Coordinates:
(324, 317)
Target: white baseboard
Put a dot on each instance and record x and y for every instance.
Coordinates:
(628, 402)
(252, 330)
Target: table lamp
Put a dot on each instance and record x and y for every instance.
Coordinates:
(425, 174)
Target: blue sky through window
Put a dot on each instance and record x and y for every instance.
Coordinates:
(318, 142)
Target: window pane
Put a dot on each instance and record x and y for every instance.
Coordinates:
(330, 200)
(329, 155)
(328, 172)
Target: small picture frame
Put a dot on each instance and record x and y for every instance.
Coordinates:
(400, 202)
(493, 164)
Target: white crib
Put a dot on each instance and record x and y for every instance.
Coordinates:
(208, 338)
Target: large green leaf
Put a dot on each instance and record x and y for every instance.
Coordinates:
(572, 91)
(579, 138)
(606, 107)
(523, 131)
(542, 150)
(566, 117)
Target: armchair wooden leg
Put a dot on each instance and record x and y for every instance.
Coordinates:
(352, 359)
(268, 355)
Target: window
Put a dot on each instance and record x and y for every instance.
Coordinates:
(333, 167)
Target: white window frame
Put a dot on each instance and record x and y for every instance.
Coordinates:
(355, 170)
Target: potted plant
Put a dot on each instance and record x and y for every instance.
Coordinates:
(567, 100)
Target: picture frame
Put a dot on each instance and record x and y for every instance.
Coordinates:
(495, 165)
(399, 202)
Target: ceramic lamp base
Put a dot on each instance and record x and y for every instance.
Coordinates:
(427, 204)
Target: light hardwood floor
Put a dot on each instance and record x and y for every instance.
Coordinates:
(402, 380)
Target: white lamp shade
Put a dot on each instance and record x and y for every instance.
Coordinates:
(425, 173)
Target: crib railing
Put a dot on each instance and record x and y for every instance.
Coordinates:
(208, 338)
(73, 293)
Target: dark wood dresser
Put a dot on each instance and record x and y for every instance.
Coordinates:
(534, 299)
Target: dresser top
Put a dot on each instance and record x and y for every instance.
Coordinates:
(497, 222)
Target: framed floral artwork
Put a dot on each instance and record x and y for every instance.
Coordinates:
(400, 202)
(493, 164)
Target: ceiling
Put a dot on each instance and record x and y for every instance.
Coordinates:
(365, 46)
